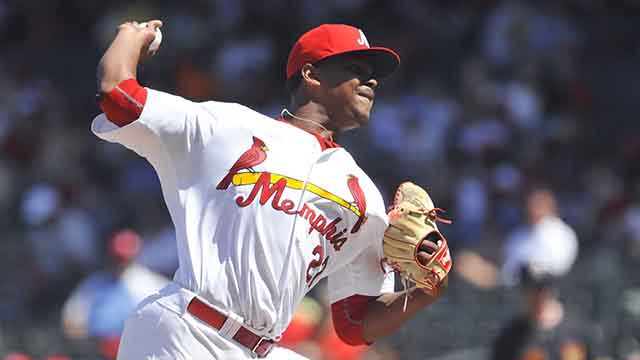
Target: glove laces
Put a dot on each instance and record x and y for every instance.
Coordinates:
(407, 290)
(434, 216)
(388, 299)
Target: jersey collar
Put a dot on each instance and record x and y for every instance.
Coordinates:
(324, 142)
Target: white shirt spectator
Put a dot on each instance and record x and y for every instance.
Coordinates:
(551, 245)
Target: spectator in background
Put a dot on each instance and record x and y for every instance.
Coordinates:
(98, 307)
(61, 243)
(544, 329)
(546, 241)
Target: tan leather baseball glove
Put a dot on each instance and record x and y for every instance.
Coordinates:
(413, 246)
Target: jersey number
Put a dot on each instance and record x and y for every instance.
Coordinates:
(317, 265)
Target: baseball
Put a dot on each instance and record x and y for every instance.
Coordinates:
(155, 44)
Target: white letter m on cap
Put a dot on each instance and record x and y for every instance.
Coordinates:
(363, 39)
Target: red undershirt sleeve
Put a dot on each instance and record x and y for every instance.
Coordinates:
(124, 103)
(348, 318)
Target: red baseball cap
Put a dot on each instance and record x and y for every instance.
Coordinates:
(334, 39)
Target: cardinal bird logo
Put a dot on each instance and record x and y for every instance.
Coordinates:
(256, 155)
(359, 199)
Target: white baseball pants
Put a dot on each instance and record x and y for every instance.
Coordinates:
(155, 332)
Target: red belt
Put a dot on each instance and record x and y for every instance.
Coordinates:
(259, 345)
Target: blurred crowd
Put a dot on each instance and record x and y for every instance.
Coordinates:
(493, 99)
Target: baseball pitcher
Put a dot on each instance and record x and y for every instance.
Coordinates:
(265, 208)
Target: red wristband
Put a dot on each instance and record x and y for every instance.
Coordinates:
(124, 103)
(348, 318)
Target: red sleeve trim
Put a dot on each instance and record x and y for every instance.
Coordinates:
(124, 103)
(348, 318)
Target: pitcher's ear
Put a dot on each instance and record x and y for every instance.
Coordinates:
(310, 75)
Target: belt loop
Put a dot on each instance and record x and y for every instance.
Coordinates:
(231, 325)
(255, 347)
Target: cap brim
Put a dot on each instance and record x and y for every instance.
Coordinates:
(383, 60)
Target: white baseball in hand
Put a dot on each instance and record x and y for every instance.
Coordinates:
(155, 44)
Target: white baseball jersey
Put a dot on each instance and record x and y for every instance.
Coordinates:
(261, 212)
